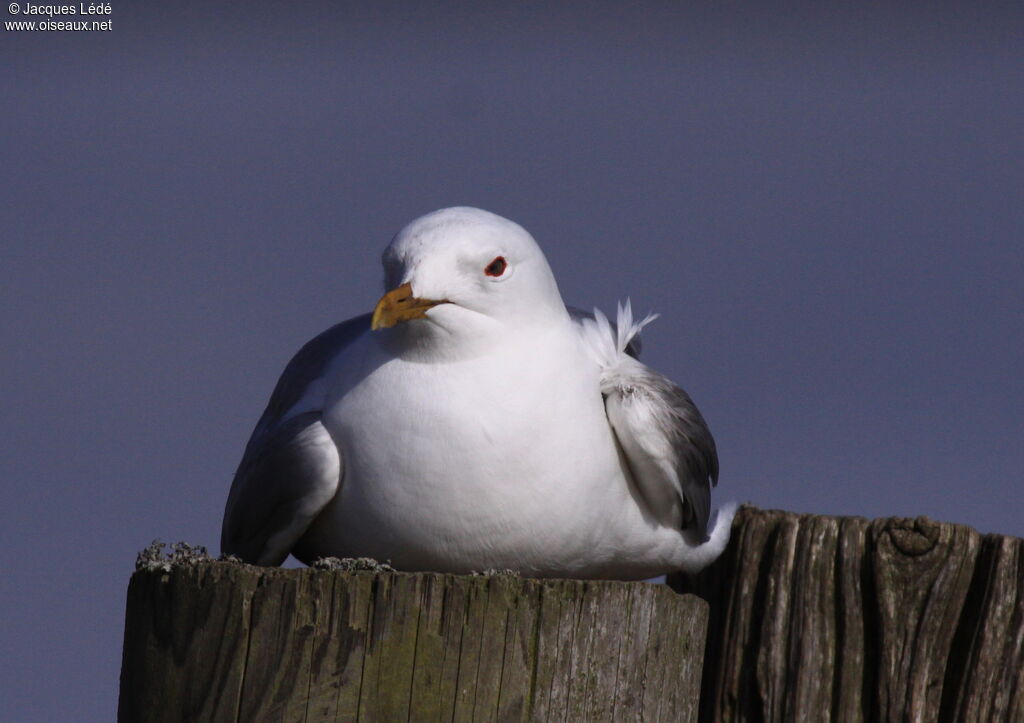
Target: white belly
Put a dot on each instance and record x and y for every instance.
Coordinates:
(481, 464)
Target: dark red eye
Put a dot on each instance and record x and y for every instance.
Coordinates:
(496, 267)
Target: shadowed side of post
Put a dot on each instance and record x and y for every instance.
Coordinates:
(840, 618)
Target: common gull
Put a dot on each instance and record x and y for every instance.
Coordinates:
(474, 422)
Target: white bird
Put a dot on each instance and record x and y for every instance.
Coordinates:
(473, 422)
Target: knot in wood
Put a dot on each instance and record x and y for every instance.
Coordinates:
(913, 536)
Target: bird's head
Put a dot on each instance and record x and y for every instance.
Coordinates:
(463, 273)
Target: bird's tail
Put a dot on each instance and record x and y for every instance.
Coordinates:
(697, 557)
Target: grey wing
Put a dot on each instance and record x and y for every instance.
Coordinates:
(667, 445)
(279, 489)
(291, 467)
(305, 367)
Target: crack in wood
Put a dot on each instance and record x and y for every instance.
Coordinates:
(916, 616)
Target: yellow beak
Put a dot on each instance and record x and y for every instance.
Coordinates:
(400, 305)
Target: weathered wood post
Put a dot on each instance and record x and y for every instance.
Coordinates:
(221, 641)
(838, 618)
(811, 618)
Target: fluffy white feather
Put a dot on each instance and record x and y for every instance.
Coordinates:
(607, 343)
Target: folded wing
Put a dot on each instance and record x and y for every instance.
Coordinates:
(291, 467)
(279, 490)
(665, 441)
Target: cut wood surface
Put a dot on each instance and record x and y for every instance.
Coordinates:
(839, 618)
(222, 641)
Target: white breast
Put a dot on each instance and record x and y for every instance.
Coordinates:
(454, 467)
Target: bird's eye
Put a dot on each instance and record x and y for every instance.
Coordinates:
(496, 267)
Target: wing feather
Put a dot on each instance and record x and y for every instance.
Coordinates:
(291, 467)
(279, 490)
(665, 440)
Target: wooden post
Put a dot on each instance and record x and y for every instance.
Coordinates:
(838, 618)
(811, 618)
(221, 641)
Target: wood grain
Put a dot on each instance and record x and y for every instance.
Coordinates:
(811, 618)
(222, 641)
(838, 618)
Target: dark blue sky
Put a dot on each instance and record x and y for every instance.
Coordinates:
(824, 205)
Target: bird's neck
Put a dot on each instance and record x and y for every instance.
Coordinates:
(432, 344)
